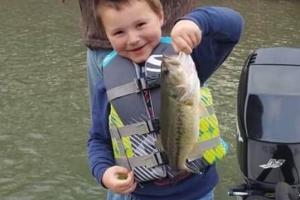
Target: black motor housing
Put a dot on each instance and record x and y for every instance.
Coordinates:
(268, 118)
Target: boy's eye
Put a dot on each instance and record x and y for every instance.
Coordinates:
(118, 33)
(141, 24)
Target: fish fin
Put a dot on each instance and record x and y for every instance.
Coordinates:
(158, 143)
(203, 112)
(183, 93)
(196, 166)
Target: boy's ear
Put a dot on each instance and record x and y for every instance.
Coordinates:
(162, 18)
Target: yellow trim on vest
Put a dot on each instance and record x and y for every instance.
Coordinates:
(209, 128)
(115, 121)
(206, 97)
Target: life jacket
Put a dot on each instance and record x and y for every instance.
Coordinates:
(134, 123)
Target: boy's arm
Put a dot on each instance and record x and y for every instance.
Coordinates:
(221, 30)
(100, 154)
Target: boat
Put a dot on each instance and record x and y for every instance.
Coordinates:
(268, 125)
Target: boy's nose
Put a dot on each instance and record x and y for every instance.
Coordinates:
(133, 38)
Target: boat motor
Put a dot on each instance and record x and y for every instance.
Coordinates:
(268, 123)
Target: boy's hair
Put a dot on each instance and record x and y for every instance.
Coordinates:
(155, 5)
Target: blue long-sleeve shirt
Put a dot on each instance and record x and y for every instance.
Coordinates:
(221, 31)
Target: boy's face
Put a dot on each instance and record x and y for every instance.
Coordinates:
(134, 30)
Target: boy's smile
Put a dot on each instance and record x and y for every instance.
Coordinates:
(134, 30)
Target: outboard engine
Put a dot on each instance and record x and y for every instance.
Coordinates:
(268, 124)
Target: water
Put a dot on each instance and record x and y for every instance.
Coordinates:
(44, 113)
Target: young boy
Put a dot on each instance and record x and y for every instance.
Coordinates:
(133, 28)
(97, 43)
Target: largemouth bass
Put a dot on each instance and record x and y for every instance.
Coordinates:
(180, 109)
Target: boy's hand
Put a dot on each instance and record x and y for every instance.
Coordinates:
(119, 180)
(185, 36)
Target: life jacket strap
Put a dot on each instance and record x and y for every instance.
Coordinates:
(150, 160)
(138, 128)
(128, 88)
(201, 147)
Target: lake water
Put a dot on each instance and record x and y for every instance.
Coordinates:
(44, 112)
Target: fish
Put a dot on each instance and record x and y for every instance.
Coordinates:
(180, 109)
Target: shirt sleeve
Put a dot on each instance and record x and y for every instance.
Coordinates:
(221, 31)
(100, 153)
(94, 70)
